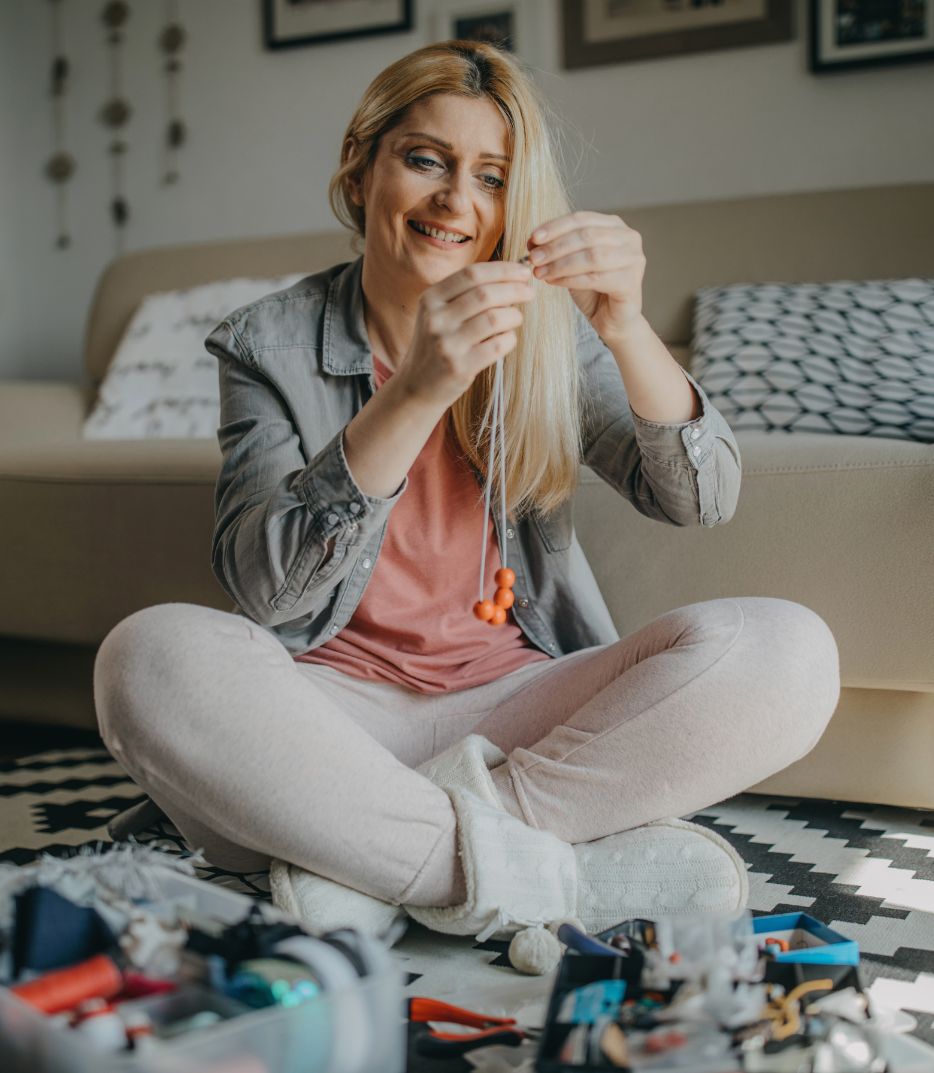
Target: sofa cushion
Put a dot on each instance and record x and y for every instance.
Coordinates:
(841, 524)
(842, 357)
(93, 531)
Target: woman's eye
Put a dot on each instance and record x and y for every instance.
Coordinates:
(423, 161)
(494, 182)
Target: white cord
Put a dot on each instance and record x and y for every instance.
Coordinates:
(497, 431)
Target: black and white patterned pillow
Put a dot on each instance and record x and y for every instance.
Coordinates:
(855, 358)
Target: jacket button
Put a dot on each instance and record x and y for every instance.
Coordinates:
(354, 508)
(694, 433)
(522, 602)
(333, 518)
(334, 629)
(366, 564)
(551, 645)
(510, 533)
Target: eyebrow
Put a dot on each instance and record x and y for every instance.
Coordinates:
(448, 146)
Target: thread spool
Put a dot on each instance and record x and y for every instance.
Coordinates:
(64, 989)
(100, 1024)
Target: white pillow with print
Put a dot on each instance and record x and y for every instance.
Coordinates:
(162, 383)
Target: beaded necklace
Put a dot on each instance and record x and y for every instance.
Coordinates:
(494, 611)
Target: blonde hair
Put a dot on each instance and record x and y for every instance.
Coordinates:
(541, 376)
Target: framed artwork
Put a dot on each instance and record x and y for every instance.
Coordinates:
(508, 24)
(619, 31)
(292, 23)
(870, 33)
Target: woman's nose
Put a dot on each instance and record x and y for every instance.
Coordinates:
(454, 195)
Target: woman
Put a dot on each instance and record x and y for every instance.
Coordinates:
(355, 723)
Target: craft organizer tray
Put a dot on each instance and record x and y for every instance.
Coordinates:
(360, 1029)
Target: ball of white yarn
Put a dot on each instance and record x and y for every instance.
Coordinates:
(534, 951)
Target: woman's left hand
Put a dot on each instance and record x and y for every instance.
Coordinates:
(600, 261)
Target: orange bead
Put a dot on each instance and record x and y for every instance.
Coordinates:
(504, 598)
(499, 616)
(505, 578)
(484, 610)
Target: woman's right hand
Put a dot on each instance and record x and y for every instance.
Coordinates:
(463, 324)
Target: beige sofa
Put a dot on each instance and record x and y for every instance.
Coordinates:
(93, 530)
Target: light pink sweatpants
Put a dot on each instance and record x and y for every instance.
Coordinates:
(253, 755)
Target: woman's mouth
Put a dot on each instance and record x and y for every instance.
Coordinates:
(436, 236)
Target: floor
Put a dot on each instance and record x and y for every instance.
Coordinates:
(866, 870)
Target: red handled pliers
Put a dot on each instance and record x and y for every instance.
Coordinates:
(432, 1043)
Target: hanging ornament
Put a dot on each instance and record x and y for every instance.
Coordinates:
(171, 41)
(60, 167)
(115, 114)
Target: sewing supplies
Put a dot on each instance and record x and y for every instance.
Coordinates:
(436, 1043)
(64, 989)
(711, 994)
(236, 986)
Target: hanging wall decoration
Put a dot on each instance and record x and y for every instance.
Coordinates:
(171, 41)
(61, 165)
(116, 113)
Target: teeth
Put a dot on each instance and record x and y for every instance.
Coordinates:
(445, 236)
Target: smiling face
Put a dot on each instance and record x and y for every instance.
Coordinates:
(434, 195)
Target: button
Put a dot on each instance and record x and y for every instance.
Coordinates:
(551, 645)
(354, 508)
(696, 451)
(367, 563)
(695, 432)
(334, 629)
(333, 518)
(510, 533)
(522, 602)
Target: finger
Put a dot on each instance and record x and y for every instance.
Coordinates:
(473, 275)
(488, 296)
(601, 282)
(577, 240)
(493, 349)
(590, 259)
(561, 225)
(487, 324)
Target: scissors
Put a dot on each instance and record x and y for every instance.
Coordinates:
(431, 1043)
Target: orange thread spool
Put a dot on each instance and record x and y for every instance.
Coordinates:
(98, 977)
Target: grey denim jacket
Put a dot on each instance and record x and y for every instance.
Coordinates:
(294, 368)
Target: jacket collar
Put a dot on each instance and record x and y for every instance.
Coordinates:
(346, 346)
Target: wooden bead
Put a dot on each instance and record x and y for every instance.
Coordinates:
(504, 598)
(484, 609)
(499, 616)
(505, 578)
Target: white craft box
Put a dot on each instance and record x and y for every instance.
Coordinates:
(358, 1030)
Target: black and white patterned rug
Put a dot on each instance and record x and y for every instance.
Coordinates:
(866, 870)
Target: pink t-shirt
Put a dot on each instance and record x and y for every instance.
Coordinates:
(414, 624)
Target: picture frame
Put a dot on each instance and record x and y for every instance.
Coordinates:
(598, 32)
(845, 34)
(298, 23)
(515, 18)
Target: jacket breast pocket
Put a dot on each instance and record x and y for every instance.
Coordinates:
(556, 529)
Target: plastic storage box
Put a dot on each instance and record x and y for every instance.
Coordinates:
(357, 1030)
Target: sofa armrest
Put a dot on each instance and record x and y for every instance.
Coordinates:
(841, 524)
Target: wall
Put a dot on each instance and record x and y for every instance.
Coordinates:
(266, 127)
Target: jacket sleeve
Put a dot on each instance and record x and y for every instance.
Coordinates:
(275, 512)
(683, 474)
